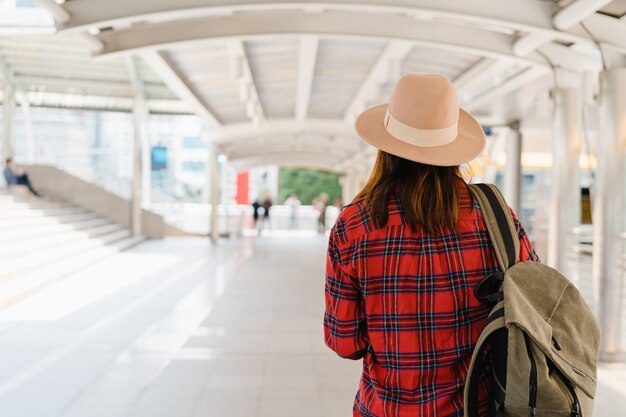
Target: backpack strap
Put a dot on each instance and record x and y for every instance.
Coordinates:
(495, 323)
(499, 223)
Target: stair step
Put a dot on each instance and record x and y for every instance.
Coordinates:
(15, 198)
(15, 290)
(36, 205)
(21, 234)
(16, 267)
(40, 221)
(26, 247)
(40, 212)
(43, 240)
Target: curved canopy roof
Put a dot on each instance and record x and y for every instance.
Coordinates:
(283, 81)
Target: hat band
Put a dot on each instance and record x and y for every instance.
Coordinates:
(419, 137)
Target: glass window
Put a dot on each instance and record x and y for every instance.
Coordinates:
(193, 142)
(193, 166)
(25, 3)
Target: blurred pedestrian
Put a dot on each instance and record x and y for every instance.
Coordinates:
(321, 206)
(266, 204)
(14, 177)
(255, 213)
(294, 204)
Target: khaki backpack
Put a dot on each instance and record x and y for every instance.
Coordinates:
(543, 339)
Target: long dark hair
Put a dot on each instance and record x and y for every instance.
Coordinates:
(429, 195)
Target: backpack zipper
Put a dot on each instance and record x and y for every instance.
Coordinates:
(570, 387)
(532, 394)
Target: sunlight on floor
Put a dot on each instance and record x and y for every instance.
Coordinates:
(82, 289)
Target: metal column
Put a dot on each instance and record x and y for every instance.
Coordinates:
(608, 214)
(7, 121)
(565, 201)
(215, 192)
(513, 168)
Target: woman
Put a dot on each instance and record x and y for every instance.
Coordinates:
(405, 256)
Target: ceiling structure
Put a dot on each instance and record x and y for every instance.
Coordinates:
(282, 81)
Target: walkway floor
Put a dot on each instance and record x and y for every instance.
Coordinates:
(176, 328)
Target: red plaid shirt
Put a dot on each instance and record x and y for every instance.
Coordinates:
(403, 302)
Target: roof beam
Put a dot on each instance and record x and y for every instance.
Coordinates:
(58, 12)
(523, 15)
(531, 16)
(308, 159)
(88, 69)
(244, 73)
(329, 24)
(172, 78)
(466, 81)
(377, 75)
(294, 144)
(610, 32)
(474, 73)
(135, 78)
(123, 104)
(511, 84)
(306, 73)
(245, 131)
(64, 82)
(564, 19)
(576, 11)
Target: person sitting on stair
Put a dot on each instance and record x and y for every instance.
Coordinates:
(13, 177)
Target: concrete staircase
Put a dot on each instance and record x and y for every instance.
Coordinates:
(44, 240)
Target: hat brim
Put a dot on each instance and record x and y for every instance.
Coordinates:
(468, 144)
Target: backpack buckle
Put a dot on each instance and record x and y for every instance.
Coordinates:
(489, 289)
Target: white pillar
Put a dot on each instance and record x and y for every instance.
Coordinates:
(7, 121)
(146, 165)
(359, 179)
(225, 193)
(608, 214)
(140, 116)
(215, 192)
(348, 187)
(28, 124)
(513, 168)
(206, 188)
(565, 199)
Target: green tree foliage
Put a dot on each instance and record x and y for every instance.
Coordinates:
(308, 184)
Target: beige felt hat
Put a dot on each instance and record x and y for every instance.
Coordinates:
(423, 123)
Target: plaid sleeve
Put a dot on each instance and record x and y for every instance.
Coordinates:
(526, 250)
(344, 320)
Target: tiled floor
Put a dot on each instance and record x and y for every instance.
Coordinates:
(177, 328)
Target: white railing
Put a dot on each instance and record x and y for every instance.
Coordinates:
(82, 166)
(235, 218)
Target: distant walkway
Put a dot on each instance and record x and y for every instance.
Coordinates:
(178, 328)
